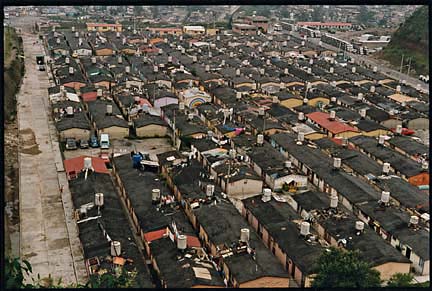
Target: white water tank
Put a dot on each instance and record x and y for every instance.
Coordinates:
(363, 112)
(302, 43)
(381, 139)
(210, 133)
(399, 129)
(181, 242)
(261, 111)
(260, 139)
(181, 105)
(190, 116)
(109, 109)
(333, 83)
(231, 54)
(288, 164)
(69, 110)
(266, 195)
(414, 220)
(268, 63)
(118, 34)
(398, 88)
(360, 96)
(304, 228)
(305, 100)
(337, 163)
(286, 71)
(127, 69)
(169, 59)
(309, 70)
(93, 60)
(67, 60)
(223, 63)
(359, 225)
(334, 201)
(156, 194)
(311, 62)
(300, 136)
(238, 95)
(71, 70)
(237, 72)
(244, 235)
(87, 163)
(353, 70)
(425, 165)
(58, 40)
(99, 92)
(262, 71)
(333, 99)
(386, 168)
(332, 114)
(385, 196)
(210, 190)
(207, 68)
(331, 70)
(375, 69)
(155, 69)
(232, 153)
(99, 199)
(120, 60)
(160, 51)
(372, 89)
(115, 248)
(301, 116)
(194, 59)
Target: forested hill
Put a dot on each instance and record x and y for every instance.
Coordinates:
(411, 40)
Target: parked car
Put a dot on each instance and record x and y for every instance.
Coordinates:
(84, 144)
(71, 144)
(104, 141)
(94, 142)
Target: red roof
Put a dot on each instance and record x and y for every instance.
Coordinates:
(193, 241)
(77, 165)
(332, 126)
(154, 235)
(164, 29)
(144, 101)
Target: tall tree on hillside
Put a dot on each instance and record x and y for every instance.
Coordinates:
(344, 269)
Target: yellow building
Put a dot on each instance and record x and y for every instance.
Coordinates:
(102, 27)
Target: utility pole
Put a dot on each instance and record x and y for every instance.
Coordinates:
(409, 66)
(400, 71)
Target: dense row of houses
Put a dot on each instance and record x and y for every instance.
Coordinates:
(256, 121)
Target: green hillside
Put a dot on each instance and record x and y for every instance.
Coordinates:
(411, 40)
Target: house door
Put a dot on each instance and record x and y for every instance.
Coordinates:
(408, 252)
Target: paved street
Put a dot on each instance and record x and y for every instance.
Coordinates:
(372, 62)
(47, 238)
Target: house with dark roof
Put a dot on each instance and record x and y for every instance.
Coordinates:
(337, 226)
(71, 120)
(147, 125)
(104, 231)
(106, 118)
(408, 147)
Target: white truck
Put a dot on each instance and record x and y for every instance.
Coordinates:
(104, 141)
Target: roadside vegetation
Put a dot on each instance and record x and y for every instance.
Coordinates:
(412, 41)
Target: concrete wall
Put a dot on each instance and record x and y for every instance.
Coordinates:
(244, 188)
(419, 123)
(76, 133)
(267, 282)
(389, 269)
(152, 130)
(115, 132)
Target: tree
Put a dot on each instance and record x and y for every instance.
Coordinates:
(15, 269)
(400, 280)
(344, 269)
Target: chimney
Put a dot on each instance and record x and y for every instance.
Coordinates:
(398, 129)
(301, 116)
(99, 92)
(210, 190)
(300, 136)
(71, 70)
(332, 115)
(334, 201)
(337, 163)
(288, 164)
(302, 43)
(109, 109)
(386, 168)
(385, 197)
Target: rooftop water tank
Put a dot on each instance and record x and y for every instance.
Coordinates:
(181, 242)
(304, 228)
(244, 235)
(115, 248)
(99, 199)
(334, 201)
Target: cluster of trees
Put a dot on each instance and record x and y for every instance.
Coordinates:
(15, 270)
